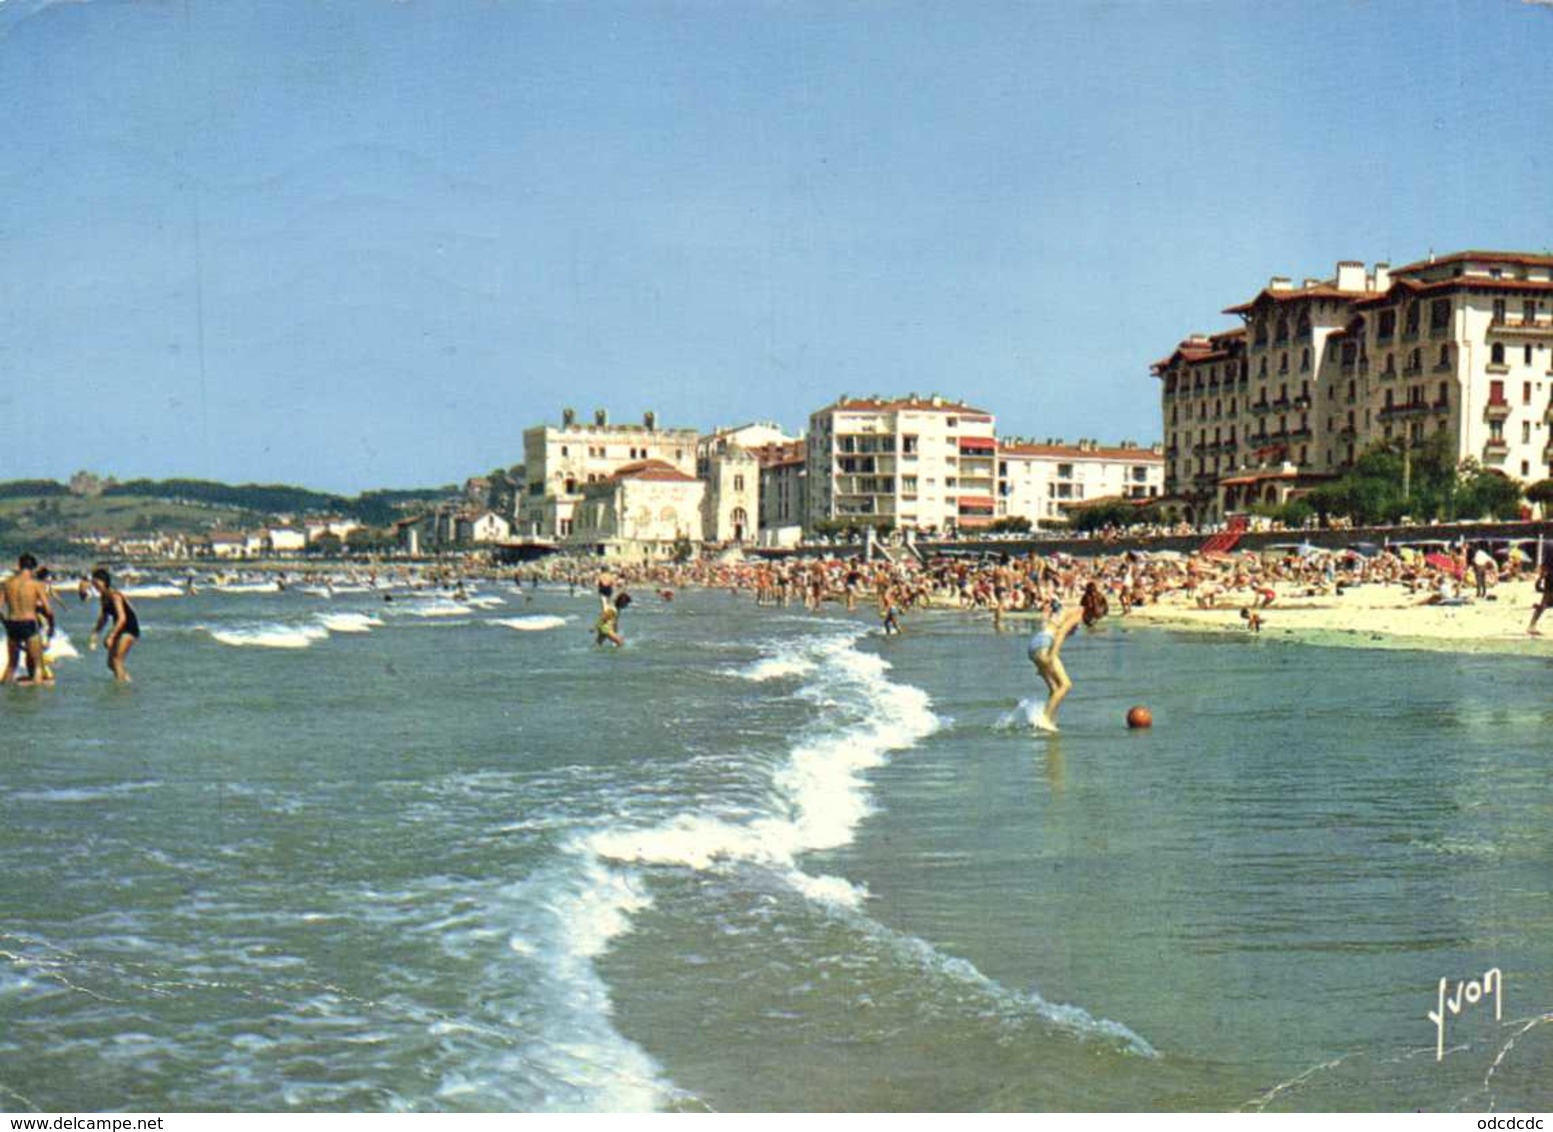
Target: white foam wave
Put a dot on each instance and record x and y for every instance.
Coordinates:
(825, 798)
(349, 622)
(271, 636)
(532, 623)
(824, 795)
(438, 607)
(776, 668)
(485, 601)
(247, 588)
(154, 590)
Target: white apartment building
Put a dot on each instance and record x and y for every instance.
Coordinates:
(1040, 482)
(560, 462)
(923, 463)
(1458, 345)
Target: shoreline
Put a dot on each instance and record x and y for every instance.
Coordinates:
(1374, 616)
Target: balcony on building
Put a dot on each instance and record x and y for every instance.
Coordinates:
(1496, 448)
(1521, 327)
(1497, 409)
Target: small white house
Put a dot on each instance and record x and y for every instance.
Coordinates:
(286, 540)
(487, 526)
(227, 544)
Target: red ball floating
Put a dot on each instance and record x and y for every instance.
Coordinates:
(1140, 716)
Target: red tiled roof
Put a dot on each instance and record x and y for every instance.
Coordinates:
(1525, 259)
(656, 471)
(1320, 291)
(1417, 289)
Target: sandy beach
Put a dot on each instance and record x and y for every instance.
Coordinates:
(1372, 615)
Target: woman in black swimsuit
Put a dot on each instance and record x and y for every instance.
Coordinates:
(126, 626)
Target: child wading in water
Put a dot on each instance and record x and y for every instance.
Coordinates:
(607, 627)
(1046, 648)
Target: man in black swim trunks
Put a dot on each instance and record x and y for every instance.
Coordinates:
(24, 599)
(126, 626)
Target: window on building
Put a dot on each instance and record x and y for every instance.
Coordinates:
(1439, 314)
(1496, 393)
(1525, 432)
(1526, 393)
(1411, 318)
(738, 483)
(1065, 471)
(1527, 355)
(1445, 356)
(1496, 355)
(1498, 310)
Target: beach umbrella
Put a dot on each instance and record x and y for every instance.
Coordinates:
(1444, 562)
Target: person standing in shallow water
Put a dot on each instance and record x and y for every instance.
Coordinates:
(126, 626)
(1045, 649)
(25, 599)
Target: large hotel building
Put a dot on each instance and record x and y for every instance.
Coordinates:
(1318, 372)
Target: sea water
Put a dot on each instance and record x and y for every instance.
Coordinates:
(437, 854)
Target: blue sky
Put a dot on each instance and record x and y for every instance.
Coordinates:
(367, 242)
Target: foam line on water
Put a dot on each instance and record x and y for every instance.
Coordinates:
(270, 635)
(439, 607)
(533, 622)
(349, 622)
(154, 590)
(822, 799)
(821, 793)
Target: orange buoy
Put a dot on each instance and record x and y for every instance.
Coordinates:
(1140, 716)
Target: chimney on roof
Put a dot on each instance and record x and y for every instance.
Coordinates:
(601, 417)
(1309, 283)
(1382, 277)
(1350, 275)
(1280, 283)
(568, 417)
(650, 420)
(936, 400)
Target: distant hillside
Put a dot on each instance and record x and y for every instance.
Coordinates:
(46, 516)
